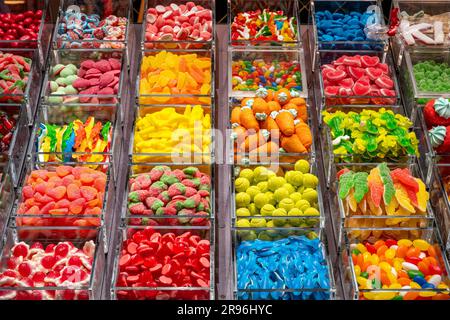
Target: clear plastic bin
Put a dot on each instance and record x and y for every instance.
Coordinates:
(346, 7)
(125, 286)
(327, 100)
(90, 290)
(183, 153)
(144, 96)
(349, 279)
(290, 9)
(62, 116)
(315, 218)
(165, 43)
(326, 289)
(366, 218)
(237, 56)
(6, 193)
(166, 219)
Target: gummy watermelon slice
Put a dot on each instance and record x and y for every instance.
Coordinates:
(331, 90)
(374, 73)
(387, 93)
(354, 61)
(360, 89)
(347, 83)
(384, 82)
(336, 75)
(370, 61)
(384, 67)
(364, 80)
(356, 72)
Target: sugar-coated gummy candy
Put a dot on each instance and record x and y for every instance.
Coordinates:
(14, 76)
(296, 262)
(432, 76)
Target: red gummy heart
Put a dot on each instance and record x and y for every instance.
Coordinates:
(356, 72)
(360, 89)
(374, 73)
(370, 61)
(336, 75)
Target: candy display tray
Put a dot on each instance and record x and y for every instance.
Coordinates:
(178, 157)
(244, 157)
(28, 235)
(304, 293)
(345, 7)
(331, 159)
(62, 115)
(288, 164)
(289, 7)
(151, 98)
(327, 56)
(165, 220)
(435, 7)
(163, 293)
(65, 221)
(76, 56)
(278, 54)
(124, 10)
(180, 44)
(348, 275)
(413, 97)
(372, 221)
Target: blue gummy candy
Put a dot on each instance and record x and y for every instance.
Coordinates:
(420, 280)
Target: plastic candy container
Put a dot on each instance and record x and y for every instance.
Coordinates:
(178, 22)
(169, 193)
(363, 79)
(155, 258)
(23, 27)
(385, 135)
(265, 199)
(405, 265)
(79, 30)
(432, 76)
(272, 122)
(382, 192)
(264, 26)
(250, 75)
(295, 263)
(86, 82)
(54, 265)
(168, 77)
(7, 127)
(182, 132)
(63, 196)
(77, 141)
(14, 72)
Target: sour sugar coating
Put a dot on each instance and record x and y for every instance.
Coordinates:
(405, 265)
(249, 75)
(186, 133)
(75, 141)
(63, 196)
(297, 261)
(178, 22)
(167, 76)
(7, 127)
(432, 76)
(181, 193)
(14, 75)
(358, 80)
(264, 26)
(85, 82)
(152, 259)
(55, 265)
(382, 192)
(385, 135)
(282, 199)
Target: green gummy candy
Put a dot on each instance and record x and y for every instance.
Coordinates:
(389, 190)
(189, 203)
(346, 183)
(157, 204)
(361, 185)
(190, 171)
(169, 179)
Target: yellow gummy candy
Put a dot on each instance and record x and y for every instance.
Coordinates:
(402, 197)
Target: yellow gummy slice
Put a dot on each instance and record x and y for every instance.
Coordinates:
(422, 196)
(352, 201)
(402, 197)
(391, 207)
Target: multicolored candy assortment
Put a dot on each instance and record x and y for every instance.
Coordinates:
(75, 141)
(165, 192)
(23, 27)
(14, 72)
(371, 135)
(404, 265)
(265, 25)
(179, 22)
(359, 76)
(7, 127)
(55, 265)
(250, 75)
(62, 196)
(167, 73)
(79, 30)
(296, 262)
(382, 192)
(150, 258)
